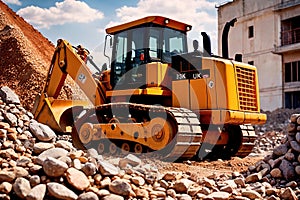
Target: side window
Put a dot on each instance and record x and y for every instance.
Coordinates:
(121, 49)
(153, 47)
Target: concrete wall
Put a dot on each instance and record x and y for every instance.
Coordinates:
(259, 14)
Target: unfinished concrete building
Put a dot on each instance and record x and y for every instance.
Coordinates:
(267, 33)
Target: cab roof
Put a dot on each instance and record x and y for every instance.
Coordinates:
(163, 21)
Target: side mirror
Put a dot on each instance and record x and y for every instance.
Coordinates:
(110, 46)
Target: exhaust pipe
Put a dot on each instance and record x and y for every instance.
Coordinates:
(206, 44)
(225, 37)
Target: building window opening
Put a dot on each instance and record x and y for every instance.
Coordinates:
(250, 32)
(292, 100)
(290, 31)
(292, 72)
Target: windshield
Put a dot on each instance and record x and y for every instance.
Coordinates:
(143, 45)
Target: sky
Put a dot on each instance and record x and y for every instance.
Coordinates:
(84, 21)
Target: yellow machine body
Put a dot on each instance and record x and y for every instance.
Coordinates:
(216, 92)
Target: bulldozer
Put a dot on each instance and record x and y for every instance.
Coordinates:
(155, 96)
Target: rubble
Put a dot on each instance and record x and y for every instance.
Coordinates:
(34, 168)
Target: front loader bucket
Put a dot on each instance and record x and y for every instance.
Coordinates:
(60, 114)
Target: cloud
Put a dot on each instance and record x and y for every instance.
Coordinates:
(201, 14)
(67, 11)
(15, 2)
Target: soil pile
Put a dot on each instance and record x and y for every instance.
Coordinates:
(25, 56)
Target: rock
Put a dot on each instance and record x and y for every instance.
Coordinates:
(7, 176)
(297, 169)
(251, 194)
(105, 182)
(60, 191)
(280, 150)
(289, 156)
(142, 193)
(184, 197)
(169, 176)
(298, 137)
(288, 194)
(291, 127)
(5, 187)
(103, 192)
(291, 184)
(37, 193)
(77, 179)
(21, 172)
(34, 180)
(287, 170)
(131, 160)
(23, 161)
(137, 180)
(182, 185)
(21, 187)
(11, 119)
(41, 131)
(112, 197)
(120, 187)
(88, 196)
(276, 173)
(38, 148)
(158, 194)
(54, 153)
(8, 96)
(64, 144)
(92, 153)
(107, 169)
(295, 146)
(219, 195)
(240, 182)
(89, 169)
(252, 178)
(54, 167)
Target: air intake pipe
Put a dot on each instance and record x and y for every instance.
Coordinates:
(206, 44)
(225, 37)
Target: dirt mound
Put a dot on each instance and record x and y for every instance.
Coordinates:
(25, 55)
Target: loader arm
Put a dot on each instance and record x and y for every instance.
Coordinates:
(55, 112)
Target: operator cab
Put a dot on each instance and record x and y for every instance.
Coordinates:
(147, 40)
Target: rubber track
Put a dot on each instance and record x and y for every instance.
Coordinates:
(186, 142)
(248, 141)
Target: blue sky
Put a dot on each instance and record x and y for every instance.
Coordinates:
(84, 21)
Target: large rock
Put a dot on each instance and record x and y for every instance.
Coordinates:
(120, 187)
(54, 167)
(77, 179)
(182, 185)
(37, 193)
(8, 96)
(41, 131)
(288, 170)
(21, 187)
(54, 153)
(107, 169)
(39, 147)
(280, 150)
(5, 187)
(60, 191)
(88, 196)
(7, 176)
(295, 146)
(131, 160)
